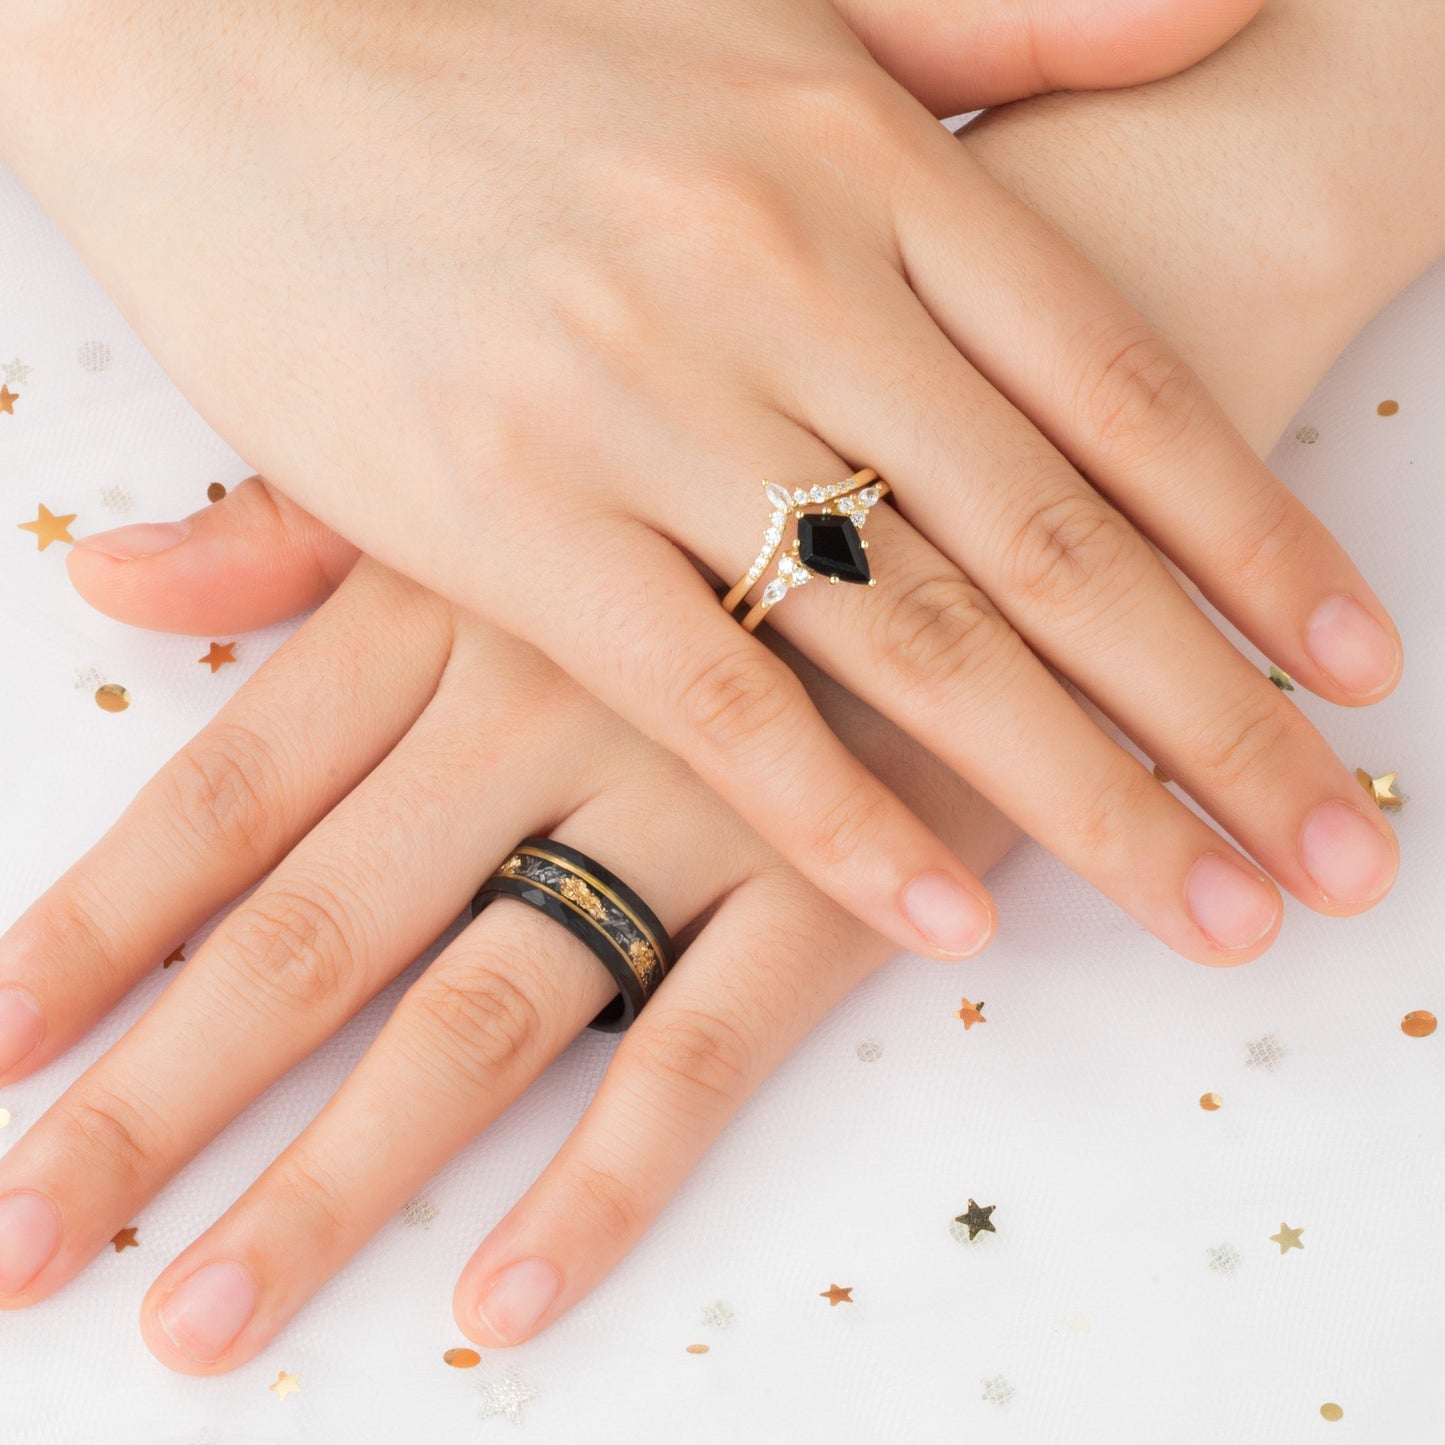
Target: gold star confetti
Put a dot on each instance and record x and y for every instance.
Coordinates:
(1288, 1238)
(837, 1295)
(697, 1349)
(506, 1397)
(1280, 678)
(717, 1314)
(49, 528)
(111, 697)
(1161, 775)
(462, 1359)
(1388, 408)
(216, 492)
(1210, 1102)
(175, 956)
(1331, 1411)
(977, 1219)
(1419, 1025)
(971, 1013)
(219, 655)
(126, 1239)
(7, 400)
(16, 372)
(1382, 789)
(284, 1385)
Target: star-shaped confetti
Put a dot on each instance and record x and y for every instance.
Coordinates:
(219, 655)
(284, 1385)
(506, 1397)
(16, 372)
(717, 1314)
(971, 1013)
(837, 1295)
(126, 1239)
(1280, 678)
(977, 1219)
(1288, 1238)
(1382, 789)
(49, 528)
(7, 400)
(177, 955)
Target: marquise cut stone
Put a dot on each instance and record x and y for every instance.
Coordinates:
(774, 592)
(830, 546)
(778, 497)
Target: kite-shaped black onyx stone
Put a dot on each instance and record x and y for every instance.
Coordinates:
(829, 545)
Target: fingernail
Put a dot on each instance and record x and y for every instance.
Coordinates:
(1351, 646)
(29, 1235)
(1234, 907)
(143, 539)
(21, 1026)
(209, 1310)
(951, 918)
(1349, 858)
(518, 1298)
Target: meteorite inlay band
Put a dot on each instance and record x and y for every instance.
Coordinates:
(827, 543)
(595, 906)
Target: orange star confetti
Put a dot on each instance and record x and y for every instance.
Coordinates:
(177, 956)
(126, 1239)
(8, 399)
(971, 1013)
(219, 655)
(284, 1385)
(49, 528)
(837, 1295)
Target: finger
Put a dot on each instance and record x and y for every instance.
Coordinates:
(956, 57)
(772, 961)
(220, 814)
(363, 894)
(1130, 414)
(249, 560)
(467, 1038)
(719, 699)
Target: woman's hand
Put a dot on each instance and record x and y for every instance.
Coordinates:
(526, 301)
(367, 816)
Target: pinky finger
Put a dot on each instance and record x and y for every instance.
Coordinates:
(714, 1030)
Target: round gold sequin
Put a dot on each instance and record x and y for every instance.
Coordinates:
(111, 697)
(1388, 408)
(1419, 1025)
(697, 1349)
(216, 492)
(4, 1118)
(1308, 435)
(462, 1359)
(1332, 1411)
(1210, 1101)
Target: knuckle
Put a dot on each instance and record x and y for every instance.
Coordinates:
(1135, 389)
(708, 1057)
(308, 1193)
(733, 698)
(479, 1025)
(612, 1203)
(220, 791)
(938, 627)
(1103, 821)
(111, 1132)
(294, 947)
(1067, 544)
(849, 824)
(1244, 743)
(1272, 541)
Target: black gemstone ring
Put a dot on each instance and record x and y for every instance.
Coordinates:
(596, 906)
(828, 543)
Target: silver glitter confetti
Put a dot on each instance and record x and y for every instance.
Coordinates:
(1223, 1258)
(94, 356)
(717, 1314)
(997, 1391)
(418, 1213)
(117, 499)
(16, 372)
(1264, 1052)
(870, 1051)
(87, 679)
(506, 1397)
(1308, 435)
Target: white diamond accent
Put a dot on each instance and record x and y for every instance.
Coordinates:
(777, 497)
(869, 495)
(799, 497)
(774, 592)
(860, 516)
(846, 505)
(818, 495)
(773, 536)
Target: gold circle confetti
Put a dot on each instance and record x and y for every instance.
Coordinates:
(1332, 1411)
(1161, 774)
(1388, 408)
(216, 492)
(1308, 435)
(1210, 1101)
(697, 1349)
(4, 1118)
(111, 697)
(1418, 1025)
(462, 1359)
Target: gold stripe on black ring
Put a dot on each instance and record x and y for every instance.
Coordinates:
(595, 906)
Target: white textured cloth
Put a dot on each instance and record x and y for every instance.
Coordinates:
(1131, 1294)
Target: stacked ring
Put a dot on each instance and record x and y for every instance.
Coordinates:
(595, 906)
(827, 543)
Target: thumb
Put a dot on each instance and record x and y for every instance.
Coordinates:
(251, 559)
(958, 55)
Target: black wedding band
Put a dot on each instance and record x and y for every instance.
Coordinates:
(596, 906)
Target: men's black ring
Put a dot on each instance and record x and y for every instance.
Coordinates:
(596, 906)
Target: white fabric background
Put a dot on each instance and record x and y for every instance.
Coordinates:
(1074, 1110)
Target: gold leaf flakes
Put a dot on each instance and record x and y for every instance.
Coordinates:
(1419, 1024)
(574, 890)
(111, 697)
(1331, 1411)
(1388, 408)
(462, 1359)
(1210, 1102)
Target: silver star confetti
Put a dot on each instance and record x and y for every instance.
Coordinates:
(717, 1314)
(1223, 1258)
(506, 1397)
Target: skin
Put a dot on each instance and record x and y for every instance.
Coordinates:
(544, 378)
(324, 931)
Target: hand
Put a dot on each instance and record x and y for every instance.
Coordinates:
(367, 817)
(540, 373)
